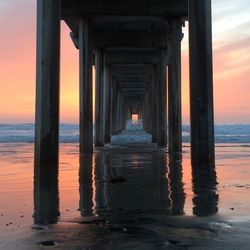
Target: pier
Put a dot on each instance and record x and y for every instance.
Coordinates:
(135, 49)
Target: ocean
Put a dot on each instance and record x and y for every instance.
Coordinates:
(69, 133)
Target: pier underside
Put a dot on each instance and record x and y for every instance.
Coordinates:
(135, 49)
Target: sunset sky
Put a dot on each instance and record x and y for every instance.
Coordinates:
(231, 37)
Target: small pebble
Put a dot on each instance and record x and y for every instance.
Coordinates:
(117, 180)
(39, 227)
(48, 243)
(173, 242)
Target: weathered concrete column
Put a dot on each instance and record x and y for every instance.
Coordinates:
(99, 99)
(86, 109)
(154, 105)
(162, 100)
(144, 115)
(201, 83)
(122, 114)
(114, 105)
(47, 82)
(150, 104)
(174, 89)
(147, 112)
(125, 115)
(107, 84)
(119, 113)
(116, 112)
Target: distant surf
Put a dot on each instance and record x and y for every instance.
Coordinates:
(69, 133)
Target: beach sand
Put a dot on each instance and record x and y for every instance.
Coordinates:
(123, 197)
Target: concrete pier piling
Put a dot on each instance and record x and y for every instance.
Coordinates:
(201, 83)
(86, 62)
(47, 82)
(99, 98)
(162, 99)
(174, 88)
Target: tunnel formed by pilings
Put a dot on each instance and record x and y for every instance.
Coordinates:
(135, 47)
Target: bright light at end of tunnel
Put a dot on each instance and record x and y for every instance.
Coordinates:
(135, 118)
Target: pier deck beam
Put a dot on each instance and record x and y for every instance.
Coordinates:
(47, 82)
(201, 83)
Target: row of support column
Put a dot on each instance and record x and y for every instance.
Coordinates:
(201, 87)
(118, 111)
(110, 112)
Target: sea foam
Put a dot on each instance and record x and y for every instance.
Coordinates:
(69, 133)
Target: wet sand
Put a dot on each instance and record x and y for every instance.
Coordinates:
(126, 196)
(137, 231)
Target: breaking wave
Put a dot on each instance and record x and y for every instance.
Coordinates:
(69, 133)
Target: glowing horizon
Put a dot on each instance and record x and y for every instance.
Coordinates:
(231, 45)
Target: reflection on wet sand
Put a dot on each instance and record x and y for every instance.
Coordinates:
(86, 184)
(46, 195)
(142, 182)
(113, 181)
(116, 226)
(205, 190)
(176, 191)
(130, 197)
(128, 182)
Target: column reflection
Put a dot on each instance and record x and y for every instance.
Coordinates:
(114, 182)
(87, 184)
(102, 183)
(46, 195)
(164, 189)
(177, 194)
(141, 187)
(205, 199)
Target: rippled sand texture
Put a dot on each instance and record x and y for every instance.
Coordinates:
(125, 196)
